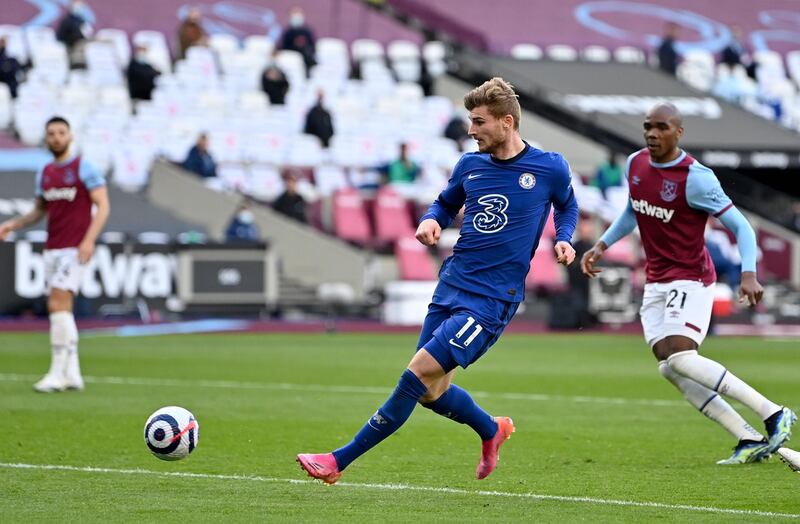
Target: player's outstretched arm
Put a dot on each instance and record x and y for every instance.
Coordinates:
(591, 257)
(428, 232)
(750, 291)
(31, 217)
(99, 197)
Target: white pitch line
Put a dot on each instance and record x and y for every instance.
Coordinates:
(320, 388)
(408, 487)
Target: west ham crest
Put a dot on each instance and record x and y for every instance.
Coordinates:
(69, 177)
(669, 191)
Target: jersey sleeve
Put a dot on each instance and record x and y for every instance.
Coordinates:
(704, 192)
(38, 189)
(449, 202)
(565, 206)
(621, 227)
(91, 176)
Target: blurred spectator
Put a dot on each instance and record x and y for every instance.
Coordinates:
(299, 37)
(609, 174)
(10, 69)
(425, 78)
(724, 255)
(667, 55)
(242, 227)
(794, 217)
(570, 310)
(401, 171)
(73, 30)
(457, 130)
(141, 75)
(319, 121)
(290, 203)
(274, 83)
(736, 52)
(199, 160)
(191, 32)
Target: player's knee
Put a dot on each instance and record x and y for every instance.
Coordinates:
(59, 300)
(681, 361)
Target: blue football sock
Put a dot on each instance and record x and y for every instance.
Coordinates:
(389, 417)
(458, 405)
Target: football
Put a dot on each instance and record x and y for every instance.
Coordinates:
(171, 433)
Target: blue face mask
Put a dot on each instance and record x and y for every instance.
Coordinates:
(296, 20)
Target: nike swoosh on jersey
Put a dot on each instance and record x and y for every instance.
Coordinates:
(470, 177)
(455, 344)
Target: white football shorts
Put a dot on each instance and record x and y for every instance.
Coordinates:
(682, 307)
(62, 269)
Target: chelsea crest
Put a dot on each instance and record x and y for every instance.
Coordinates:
(527, 181)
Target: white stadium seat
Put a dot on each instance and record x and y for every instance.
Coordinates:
(526, 52)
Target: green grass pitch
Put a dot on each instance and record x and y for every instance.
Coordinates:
(600, 435)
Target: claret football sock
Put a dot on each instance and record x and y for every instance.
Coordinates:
(458, 405)
(389, 417)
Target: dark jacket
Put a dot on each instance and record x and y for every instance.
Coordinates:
(200, 163)
(141, 79)
(9, 72)
(291, 205)
(319, 123)
(274, 84)
(70, 30)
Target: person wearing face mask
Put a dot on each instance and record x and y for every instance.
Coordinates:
(242, 227)
(141, 75)
(299, 37)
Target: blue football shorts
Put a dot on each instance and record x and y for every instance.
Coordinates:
(461, 326)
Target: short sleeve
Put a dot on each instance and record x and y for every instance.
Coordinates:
(38, 189)
(91, 176)
(703, 191)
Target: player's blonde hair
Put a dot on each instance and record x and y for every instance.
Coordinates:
(499, 98)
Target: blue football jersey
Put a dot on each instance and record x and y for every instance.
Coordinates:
(507, 203)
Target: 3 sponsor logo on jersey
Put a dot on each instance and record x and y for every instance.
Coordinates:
(646, 208)
(60, 193)
(493, 217)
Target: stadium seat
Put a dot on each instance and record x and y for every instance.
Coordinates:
(157, 49)
(293, 66)
(305, 151)
(5, 106)
(259, 46)
(629, 55)
(793, 66)
(697, 69)
(561, 53)
(332, 53)
(266, 147)
(330, 178)
(37, 36)
(103, 64)
(264, 182)
(15, 42)
(366, 49)
(223, 43)
(119, 39)
(50, 62)
(526, 52)
(350, 218)
(414, 261)
(404, 57)
(434, 53)
(595, 53)
(131, 166)
(392, 221)
(545, 273)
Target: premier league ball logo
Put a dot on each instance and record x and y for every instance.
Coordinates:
(669, 191)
